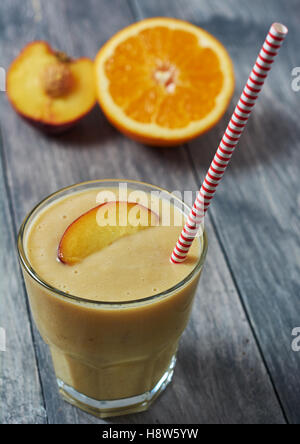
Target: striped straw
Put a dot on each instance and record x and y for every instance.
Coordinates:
(233, 132)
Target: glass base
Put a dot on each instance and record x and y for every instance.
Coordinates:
(117, 407)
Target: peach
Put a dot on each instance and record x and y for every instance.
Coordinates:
(100, 227)
(49, 89)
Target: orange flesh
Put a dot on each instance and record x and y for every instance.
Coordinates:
(164, 76)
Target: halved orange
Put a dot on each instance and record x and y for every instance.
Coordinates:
(164, 81)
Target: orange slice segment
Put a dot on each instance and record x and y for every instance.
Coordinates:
(164, 81)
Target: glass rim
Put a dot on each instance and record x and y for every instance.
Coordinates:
(105, 304)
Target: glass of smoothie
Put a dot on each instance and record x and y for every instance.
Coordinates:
(103, 292)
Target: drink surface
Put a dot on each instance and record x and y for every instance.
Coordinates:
(133, 267)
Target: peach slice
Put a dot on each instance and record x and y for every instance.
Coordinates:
(101, 226)
(49, 89)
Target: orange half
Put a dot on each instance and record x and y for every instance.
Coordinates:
(163, 81)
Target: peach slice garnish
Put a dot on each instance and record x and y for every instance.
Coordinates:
(100, 227)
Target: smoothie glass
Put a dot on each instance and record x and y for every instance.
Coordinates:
(110, 358)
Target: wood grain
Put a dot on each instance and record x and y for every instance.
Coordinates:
(20, 389)
(256, 209)
(220, 375)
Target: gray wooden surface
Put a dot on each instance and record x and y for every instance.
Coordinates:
(235, 364)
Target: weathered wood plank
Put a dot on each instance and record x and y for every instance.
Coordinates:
(20, 388)
(218, 357)
(37, 161)
(256, 209)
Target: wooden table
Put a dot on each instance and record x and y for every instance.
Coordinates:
(236, 363)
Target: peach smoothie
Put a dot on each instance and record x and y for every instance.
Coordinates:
(107, 300)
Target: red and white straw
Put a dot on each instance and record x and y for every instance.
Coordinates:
(233, 132)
